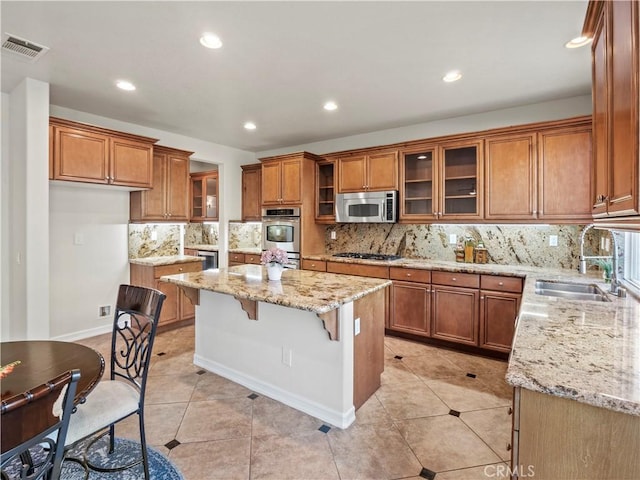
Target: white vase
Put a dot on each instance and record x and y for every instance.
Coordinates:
(274, 272)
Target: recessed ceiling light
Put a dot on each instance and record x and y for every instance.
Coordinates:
(210, 40)
(250, 126)
(578, 42)
(452, 76)
(125, 85)
(331, 106)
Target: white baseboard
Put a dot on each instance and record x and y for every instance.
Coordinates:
(333, 417)
(92, 332)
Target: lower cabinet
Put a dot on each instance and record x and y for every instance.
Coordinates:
(462, 308)
(236, 259)
(176, 307)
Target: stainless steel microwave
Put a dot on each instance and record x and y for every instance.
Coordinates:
(367, 207)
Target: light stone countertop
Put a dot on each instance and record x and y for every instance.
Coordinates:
(587, 351)
(165, 260)
(316, 292)
(249, 250)
(203, 246)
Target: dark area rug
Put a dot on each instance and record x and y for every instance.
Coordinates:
(126, 451)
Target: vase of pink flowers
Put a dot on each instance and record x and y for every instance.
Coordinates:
(274, 259)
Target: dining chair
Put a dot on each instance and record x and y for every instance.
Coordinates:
(37, 420)
(122, 395)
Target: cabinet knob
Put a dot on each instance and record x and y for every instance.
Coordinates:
(180, 269)
(313, 264)
(408, 274)
(510, 411)
(501, 283)
(508, 447)
(482, 298)
(454, 279)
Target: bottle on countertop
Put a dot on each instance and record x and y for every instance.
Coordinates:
(469, 246)
(459, 251)
(481, 253)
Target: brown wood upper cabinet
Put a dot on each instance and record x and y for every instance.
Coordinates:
(89, 154)
(204, 196)
(372, 172)
(442, 182)
(251, 192)
(168, 200)
(543, 175)
(614, 26)
(282, 181)
(325, 191)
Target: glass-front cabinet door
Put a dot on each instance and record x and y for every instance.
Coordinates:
(204, 196)
(419, 191)
(461, 179)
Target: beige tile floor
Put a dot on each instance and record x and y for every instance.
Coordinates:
(429, 419)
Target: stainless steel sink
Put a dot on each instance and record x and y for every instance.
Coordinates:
(573, 291)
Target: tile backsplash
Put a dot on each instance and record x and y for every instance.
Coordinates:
(506, 244)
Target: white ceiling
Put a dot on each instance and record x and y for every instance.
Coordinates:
(382, 62)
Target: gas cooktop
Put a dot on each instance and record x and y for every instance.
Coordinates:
(368, 256)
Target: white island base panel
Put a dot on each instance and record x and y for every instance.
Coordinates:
(286, 354)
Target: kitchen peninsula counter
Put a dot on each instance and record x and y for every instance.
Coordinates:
(314, 341)
(586, 351)
(164, 260)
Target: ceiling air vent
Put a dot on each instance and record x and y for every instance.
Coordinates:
(22, 48)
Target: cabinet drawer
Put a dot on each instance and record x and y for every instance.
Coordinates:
(410, 274)
(236, 257)
(177, 268)
(501, 284)
(468, 280)
(356, 269)
(316, 265)
(252, 258)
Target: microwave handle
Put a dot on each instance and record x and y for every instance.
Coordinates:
(383, 210)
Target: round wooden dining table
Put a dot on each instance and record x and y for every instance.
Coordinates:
(42, 360)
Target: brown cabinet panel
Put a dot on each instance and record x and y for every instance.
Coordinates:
(418, 185)
(162, 270)
(325, 192)
(375, 172)
(168, 200)
(131, 163)
(501, 284)
(291, 181)
(251, 192)
(510, 167)
(236, 259)
(282, 181)
(498, 312)
(204, 196)
(90, 154)
(254, 259)
(316, 265)
(411, 308)
(271, 183)
(170, 308)
(564, 174)
(410, 274)
(600, 116)
(80, 156)
(455, 314)
(470, 280)
(376, 271)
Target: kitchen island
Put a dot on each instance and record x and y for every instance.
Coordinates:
(313, 341)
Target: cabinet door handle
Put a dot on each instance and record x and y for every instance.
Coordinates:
(510, 411)
(508, 447)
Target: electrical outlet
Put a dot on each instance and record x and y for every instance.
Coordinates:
(553, 240)
(356, 326)
(105, 310)
(154, 235)
(78, 239)
(333, 235)
(453, 239)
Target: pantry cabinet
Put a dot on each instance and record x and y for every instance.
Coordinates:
(177, 308)
(442, 182)
(168, 200)
(615, 68)
(369, 172)
(90, 154)
(251, 192)
(204, 196)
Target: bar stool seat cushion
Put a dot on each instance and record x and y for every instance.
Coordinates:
(110, 401)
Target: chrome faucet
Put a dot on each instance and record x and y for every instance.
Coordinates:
(614, 257)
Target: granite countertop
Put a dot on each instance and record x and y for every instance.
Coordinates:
(203, 246)
(249, 250)
(316, 292)
(165, 260)
(587, 351)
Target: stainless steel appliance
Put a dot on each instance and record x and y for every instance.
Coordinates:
(367, 207)
(209, 259)
(281, 229)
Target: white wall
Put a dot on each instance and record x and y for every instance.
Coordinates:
(5, 325)
(88, 257)
(539, 112)
(26, 225)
